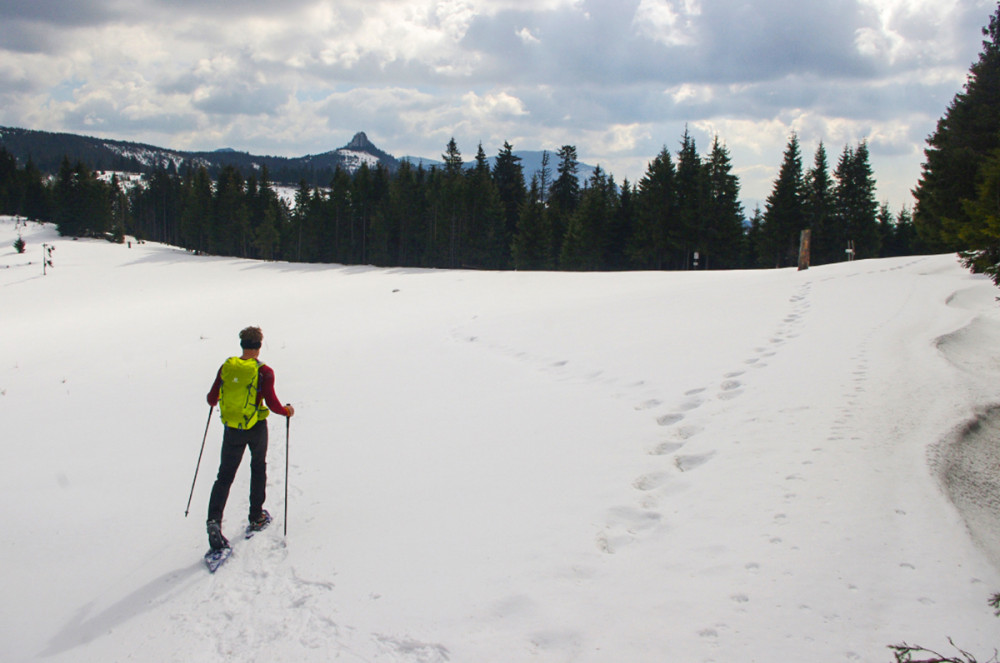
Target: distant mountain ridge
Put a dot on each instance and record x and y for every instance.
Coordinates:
(47, 149)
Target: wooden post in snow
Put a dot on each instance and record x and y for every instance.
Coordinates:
(804, 239)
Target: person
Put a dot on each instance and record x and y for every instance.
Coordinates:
(244, 391)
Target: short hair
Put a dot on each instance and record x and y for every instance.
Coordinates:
(251, 338)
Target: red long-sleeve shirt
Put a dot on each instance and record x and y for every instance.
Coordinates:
(265, 390)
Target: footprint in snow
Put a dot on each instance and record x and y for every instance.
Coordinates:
(666, 448)
(650, 481)
(624, 525)
(669, 419)
(691, 461)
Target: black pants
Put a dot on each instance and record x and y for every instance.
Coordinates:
(234, 442)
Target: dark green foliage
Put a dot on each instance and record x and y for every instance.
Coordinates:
(684, 213)
(486, 240)
(721, 238)
(692, 195)
(11, 190)
(22, 191)
(83, 203)
(840, 212)
(958, 156)
(854, 203)
(983, 229)
(563, 195)
(620, 227)
(654, 239)
(508, 175)
(784, 214)
(827, 243)
(532, 248)
(585, 244)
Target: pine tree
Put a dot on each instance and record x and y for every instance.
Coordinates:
(196, 212)
(266, 235)
(453, 203)
(370, 187)
(156, 208)
(564, 195)
(964, 140)
(37, 197)
(904, 237)
(267, 215)
(752, 244)
(692, 237)
(301, 226)
(11, 192)
(544, 178)
(532, 247)
(232, 218)
(983, 231)
(336, 239)
(486, 242)
(406, 206)
(584, 246)
(826, 244)
(67, 214)
(723, 212)
(653, 240)
(508, 175)
(886, 222)
(854, 202)
(784, 214)
(621, 226)
(119, 210)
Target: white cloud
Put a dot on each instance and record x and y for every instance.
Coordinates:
(527, 37)
(491, 106)
(914, 31)
(667, 21)
(691, 93)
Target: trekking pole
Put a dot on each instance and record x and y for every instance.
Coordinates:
(196, 467)
(288, 423)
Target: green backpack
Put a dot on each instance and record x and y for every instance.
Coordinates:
(238, 395)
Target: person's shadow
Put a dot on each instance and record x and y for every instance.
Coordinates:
(85, 628)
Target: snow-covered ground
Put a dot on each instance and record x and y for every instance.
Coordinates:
(720, 466)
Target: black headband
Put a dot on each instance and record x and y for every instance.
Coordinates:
(247, 344)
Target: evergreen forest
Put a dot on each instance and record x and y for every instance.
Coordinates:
(958, 195)
(684, 213)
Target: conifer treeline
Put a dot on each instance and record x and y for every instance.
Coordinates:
(685, 213)
(958, 195)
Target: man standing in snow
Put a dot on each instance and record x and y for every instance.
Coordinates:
(242, 387)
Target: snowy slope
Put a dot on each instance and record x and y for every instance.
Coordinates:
(741, 466)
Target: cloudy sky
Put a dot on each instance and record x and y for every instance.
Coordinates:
(619, 79)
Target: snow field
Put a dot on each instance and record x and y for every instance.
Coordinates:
(499, 466)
